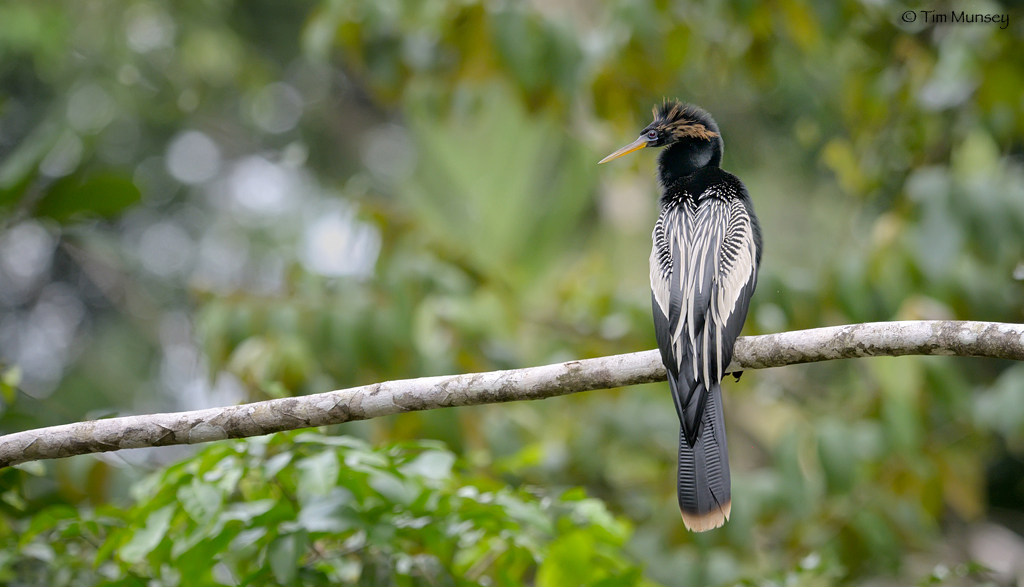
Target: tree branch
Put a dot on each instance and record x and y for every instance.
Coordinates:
(965, 339)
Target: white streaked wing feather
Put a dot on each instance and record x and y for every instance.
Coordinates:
(737, 267)
(661, 268)
(709, 231)
(671, 236)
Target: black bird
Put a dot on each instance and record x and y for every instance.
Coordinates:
(707, 249)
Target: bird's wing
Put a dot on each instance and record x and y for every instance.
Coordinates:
(672, 241)
(703, 272)
(735, 279)
(679, 310)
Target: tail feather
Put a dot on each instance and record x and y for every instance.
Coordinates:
(704, 488)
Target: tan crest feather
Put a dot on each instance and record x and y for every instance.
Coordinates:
(687, 128)
(681, 120)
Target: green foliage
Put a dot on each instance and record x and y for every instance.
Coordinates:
(308, 509)
(104, 195)
(509, 205)
(9, 379)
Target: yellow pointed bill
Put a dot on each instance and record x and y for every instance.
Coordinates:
(636, 145)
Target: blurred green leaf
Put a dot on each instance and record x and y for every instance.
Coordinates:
(105, 195)
(200, 501)
(325, 513)
(569, 562)
(434, 465)
(145, 539)
(284, 557)
(838, 456)
(10, 379)
(318, 474)
(509, 205)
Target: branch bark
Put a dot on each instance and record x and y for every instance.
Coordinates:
(965, 339)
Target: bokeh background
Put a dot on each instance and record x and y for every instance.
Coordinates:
(210, 202)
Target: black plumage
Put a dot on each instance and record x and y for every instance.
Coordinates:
(707, 250)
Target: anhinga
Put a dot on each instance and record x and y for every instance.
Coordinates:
(707, 249)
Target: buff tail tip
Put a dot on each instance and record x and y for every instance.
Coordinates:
(715, 518)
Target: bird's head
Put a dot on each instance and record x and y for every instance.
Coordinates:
(689, 127)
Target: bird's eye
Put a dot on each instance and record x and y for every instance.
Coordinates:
(652, 134)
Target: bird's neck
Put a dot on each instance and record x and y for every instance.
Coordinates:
(685, 158)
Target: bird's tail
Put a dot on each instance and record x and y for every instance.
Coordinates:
(705, 499)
